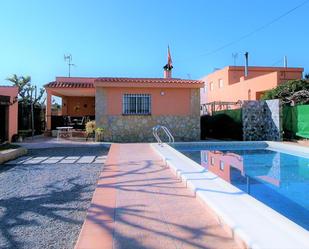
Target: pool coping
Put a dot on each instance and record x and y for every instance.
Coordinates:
(250, 220)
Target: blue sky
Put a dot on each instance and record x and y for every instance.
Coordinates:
(130, 37)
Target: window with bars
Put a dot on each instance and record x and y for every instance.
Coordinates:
(136, 104)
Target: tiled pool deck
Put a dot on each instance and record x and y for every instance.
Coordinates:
(139, 203)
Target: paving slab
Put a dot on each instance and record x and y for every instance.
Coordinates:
(86, 159)
(139, 203)
(19, 160)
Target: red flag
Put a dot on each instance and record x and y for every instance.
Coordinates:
(169, 57)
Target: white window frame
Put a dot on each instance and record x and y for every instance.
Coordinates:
(221, 165)
(205, 87)
(204, 156)
(220, 83)
(136, 104)
(211, 86)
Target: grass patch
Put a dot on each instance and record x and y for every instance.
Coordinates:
(8, 146)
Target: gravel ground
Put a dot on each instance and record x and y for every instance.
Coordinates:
(43, 205)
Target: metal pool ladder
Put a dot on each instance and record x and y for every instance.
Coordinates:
(155, 130)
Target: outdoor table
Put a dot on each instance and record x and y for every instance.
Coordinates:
(65, 131)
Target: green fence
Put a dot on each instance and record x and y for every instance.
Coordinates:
(235, 114)
(296, 120)
(225, 124)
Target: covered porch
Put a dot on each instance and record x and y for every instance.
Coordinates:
(76, 105)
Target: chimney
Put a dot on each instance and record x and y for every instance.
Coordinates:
(167, 73)
(169, 66)
(246, 64)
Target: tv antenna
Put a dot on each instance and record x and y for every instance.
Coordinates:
(68, 58)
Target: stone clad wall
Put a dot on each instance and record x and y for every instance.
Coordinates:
(138, 128)
(120, 128)
(262, 120)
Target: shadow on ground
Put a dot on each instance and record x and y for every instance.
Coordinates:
(44, 205)
(136, 220)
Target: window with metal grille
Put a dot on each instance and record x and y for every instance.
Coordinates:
(136, 104)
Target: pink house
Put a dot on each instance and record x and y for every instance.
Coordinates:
(128, 108)
(8, 112)
(222, 163)
(230, 83)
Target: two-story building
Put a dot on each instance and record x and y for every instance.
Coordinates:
(231, 85)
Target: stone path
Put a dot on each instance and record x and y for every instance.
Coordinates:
(57, 159)
(139, 203)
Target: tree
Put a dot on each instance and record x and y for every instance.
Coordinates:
(22, 83)
(30, 103)
(293, 91)
(27, 92)
(307, 76)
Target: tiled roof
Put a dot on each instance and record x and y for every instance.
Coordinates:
(79, 84)
(147, 80)
(58, 84)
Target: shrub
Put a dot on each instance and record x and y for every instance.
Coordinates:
(99, 130)
(99, 134)
(90, 127)
(296, 91)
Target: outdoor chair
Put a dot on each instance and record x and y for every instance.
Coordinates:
(87, 119)
(81, 122)
(69, 121)
(65, 121)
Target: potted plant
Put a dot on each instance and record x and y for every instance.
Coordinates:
(90, 129)
(99, 134)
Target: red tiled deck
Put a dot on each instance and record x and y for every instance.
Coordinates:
(139, 203)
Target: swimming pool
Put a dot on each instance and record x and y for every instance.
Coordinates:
(278, 179)
(257, 197)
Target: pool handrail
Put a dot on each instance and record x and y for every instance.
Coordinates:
(167, 132)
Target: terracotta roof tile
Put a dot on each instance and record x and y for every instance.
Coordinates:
(147, 80)
(58, 84)
(8, 86)
(78, 84)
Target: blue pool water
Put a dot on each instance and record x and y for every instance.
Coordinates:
(277, 179)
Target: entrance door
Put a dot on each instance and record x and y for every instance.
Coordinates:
(3, 123)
